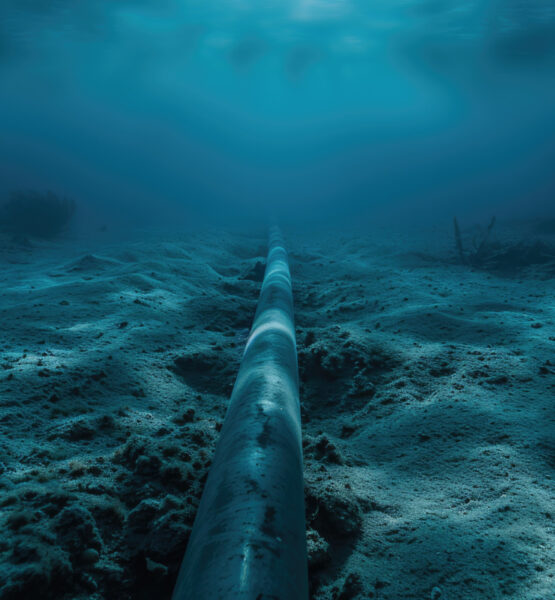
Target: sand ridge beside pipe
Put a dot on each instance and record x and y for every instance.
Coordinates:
(248, 540)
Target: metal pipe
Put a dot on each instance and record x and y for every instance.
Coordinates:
(248, 539)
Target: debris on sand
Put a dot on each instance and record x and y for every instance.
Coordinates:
(507, 257)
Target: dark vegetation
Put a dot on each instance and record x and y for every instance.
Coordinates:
(480, 247)
(37, 214)
(504, 257)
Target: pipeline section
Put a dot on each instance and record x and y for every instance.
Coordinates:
(248, 540)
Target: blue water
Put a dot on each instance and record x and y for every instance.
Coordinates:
(312, 107)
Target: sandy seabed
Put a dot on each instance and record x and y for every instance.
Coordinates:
(427, 391)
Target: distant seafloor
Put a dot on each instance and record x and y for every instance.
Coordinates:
(427, 392)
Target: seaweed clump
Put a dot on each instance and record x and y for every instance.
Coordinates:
(480, 247)
(508, 257)
(37, 214)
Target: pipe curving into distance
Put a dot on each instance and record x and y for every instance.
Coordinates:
(248, 539)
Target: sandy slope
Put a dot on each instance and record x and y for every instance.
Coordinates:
(428, 402)
(117, 362)
(427, 394)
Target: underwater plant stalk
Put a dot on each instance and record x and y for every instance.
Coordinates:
(248, 539)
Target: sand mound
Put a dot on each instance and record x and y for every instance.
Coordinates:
(91, 263)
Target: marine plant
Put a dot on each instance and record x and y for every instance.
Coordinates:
(479, 244)
(503, 257)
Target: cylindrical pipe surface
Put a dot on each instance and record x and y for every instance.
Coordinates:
(248, 540)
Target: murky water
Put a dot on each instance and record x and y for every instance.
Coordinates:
(313, 105)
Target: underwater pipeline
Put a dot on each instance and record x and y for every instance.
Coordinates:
(248, 539)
